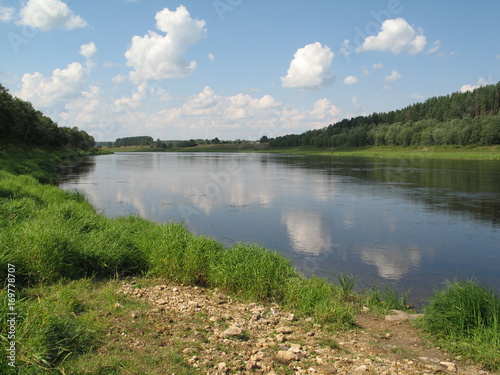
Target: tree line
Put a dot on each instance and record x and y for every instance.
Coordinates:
(21, 123)
(134, 141)
(469, 118)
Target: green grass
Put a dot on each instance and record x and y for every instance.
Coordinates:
(450, 152)
(465, 319)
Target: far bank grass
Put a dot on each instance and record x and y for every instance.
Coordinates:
(450, 152)
(486, 152)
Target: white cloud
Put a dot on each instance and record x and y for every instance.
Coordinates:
(63, 85)
(50, 14)
(481, 82)
(134, 101)
(6, 14)
(355, 102)
(154, 56)
(311, 68)
(378, 66)
(345, 48)
(350, 80)
(435, 46)
(119, 78)
(88, 51)
(396, 36)
(211, 57)
(393, 77)
(206, 114)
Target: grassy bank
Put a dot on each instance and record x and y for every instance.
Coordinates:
(483, 152)
(38, 162)
(486, 152)
(62, 252)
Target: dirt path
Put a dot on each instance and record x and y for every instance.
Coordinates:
(217, 335)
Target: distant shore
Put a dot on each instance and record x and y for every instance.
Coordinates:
(480, 152)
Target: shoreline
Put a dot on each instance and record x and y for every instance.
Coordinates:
(482, 152)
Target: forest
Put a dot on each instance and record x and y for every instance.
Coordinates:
(21, 123)
(462, 119)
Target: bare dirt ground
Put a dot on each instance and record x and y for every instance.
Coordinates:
(215, 334)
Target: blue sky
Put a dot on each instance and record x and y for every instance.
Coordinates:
(239, 68)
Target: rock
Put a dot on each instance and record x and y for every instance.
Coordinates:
(401, 315)
(118, 305)
(134, 314)
(291, 317)
(286, 356)
(284, 329)
(231, 331)
(361, 368)
(161, 301)
(250, 365)
(222, 367)
(449, 365)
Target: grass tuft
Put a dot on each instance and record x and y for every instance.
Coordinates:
(465, 319)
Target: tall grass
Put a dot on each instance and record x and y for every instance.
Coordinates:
(49, 328)
(465, 318)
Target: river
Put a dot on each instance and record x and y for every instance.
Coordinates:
(409, 222)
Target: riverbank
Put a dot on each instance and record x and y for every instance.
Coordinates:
(70, 261)
(483, 152)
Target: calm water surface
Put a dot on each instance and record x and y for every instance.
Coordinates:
(411, 222)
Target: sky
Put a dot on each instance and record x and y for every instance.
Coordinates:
(239, 69)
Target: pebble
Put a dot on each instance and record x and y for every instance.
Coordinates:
(267, 347)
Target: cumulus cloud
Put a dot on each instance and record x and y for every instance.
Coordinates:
(311, 68)
(133, 101)
(240, 116)
(88, 51)
(154, 56)
(62, 85)
(207, 114)
(50, 14)
(396, 36)
(481, 82)
(6, 14)
(350, 80)
(393, 77)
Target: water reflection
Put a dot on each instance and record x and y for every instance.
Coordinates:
(391, 262)
(309, 233)
(416, 222)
